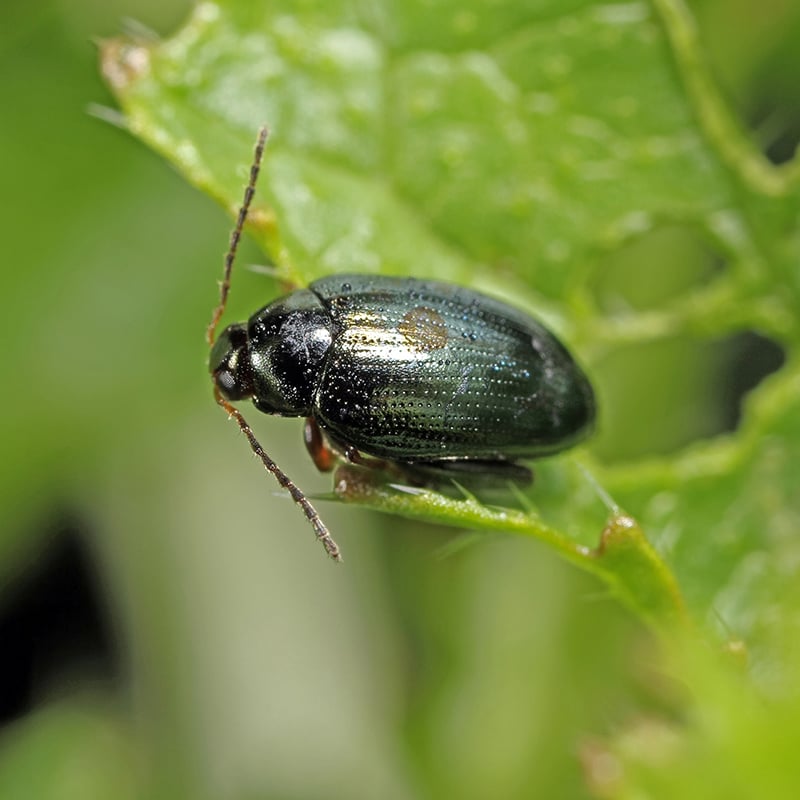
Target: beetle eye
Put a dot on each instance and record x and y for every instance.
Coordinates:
(226, 381)
(232, 378)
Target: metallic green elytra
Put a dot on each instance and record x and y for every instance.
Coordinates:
(426, 378)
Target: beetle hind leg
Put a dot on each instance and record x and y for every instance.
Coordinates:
(475, 472)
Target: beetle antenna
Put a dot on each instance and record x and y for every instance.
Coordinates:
(312, 515)
(236, 235)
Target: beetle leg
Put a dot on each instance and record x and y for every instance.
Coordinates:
(355, 457)
(486, 472)
(395, 468)
(325, 454)
(322, 454)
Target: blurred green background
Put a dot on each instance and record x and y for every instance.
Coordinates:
(168, 627)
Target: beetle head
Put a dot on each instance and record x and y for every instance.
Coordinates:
(229, 363)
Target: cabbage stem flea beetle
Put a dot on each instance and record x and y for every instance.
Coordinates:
(421, 376)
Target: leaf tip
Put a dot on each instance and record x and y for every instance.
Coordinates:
(122, 62)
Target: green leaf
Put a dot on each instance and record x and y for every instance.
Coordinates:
(736, 741)
(521, 148)
(624, 559)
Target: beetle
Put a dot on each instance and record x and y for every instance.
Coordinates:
(421, 376)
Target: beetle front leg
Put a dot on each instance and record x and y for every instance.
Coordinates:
(322, 454)
(325, 454)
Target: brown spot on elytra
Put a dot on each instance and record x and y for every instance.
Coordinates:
(423, 329)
